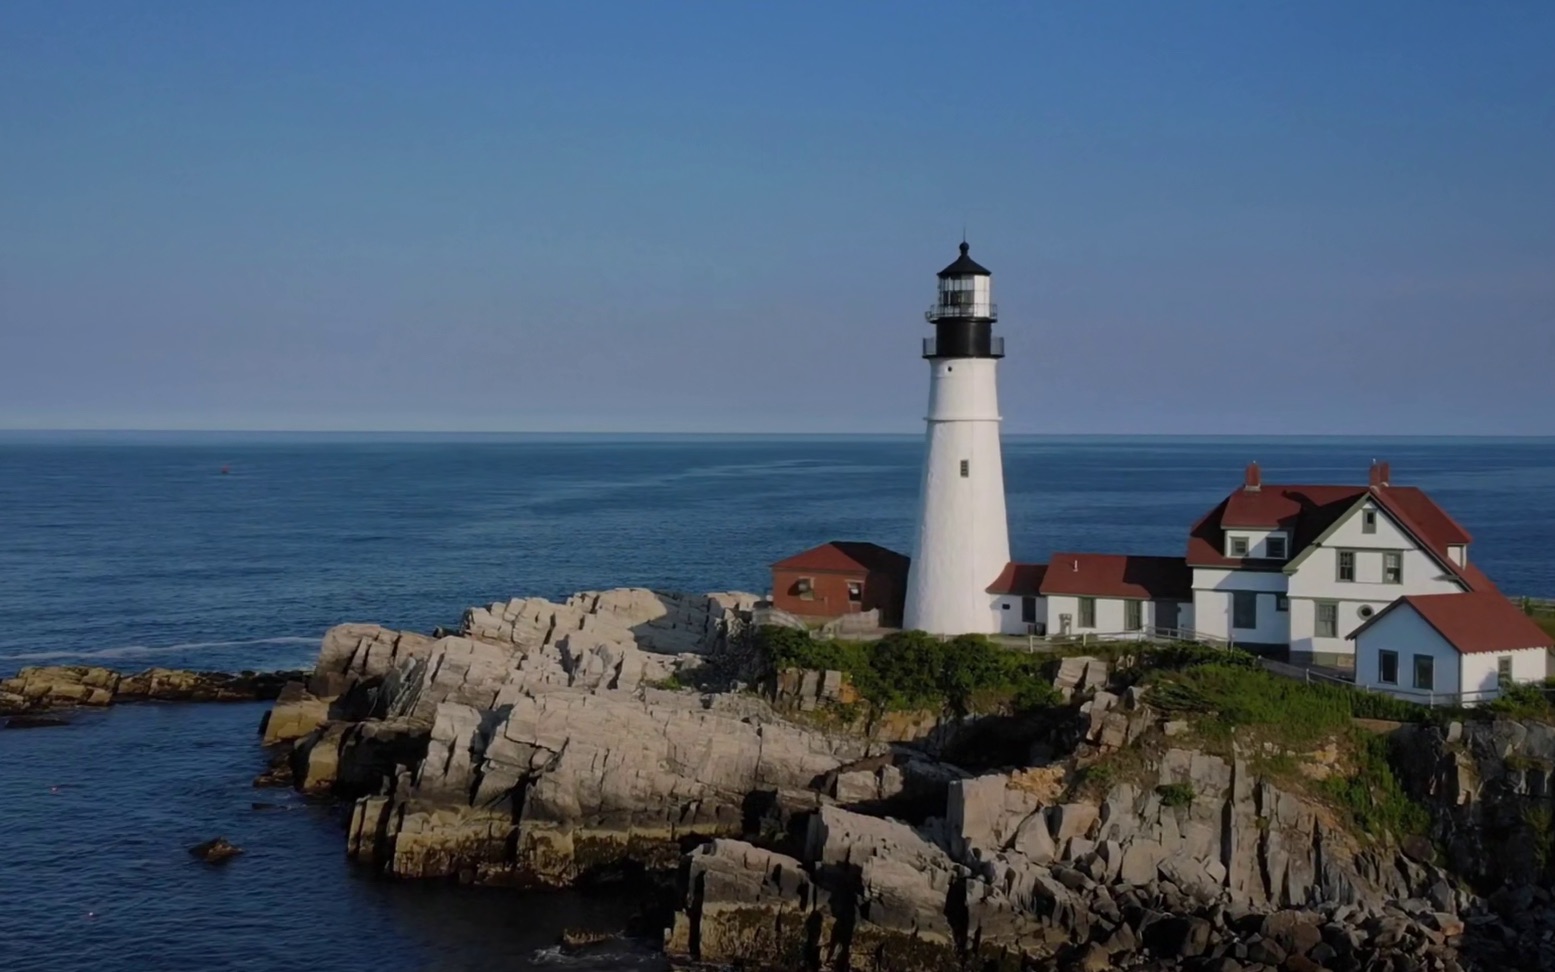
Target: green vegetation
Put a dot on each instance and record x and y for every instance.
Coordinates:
(1175, 794)
(1298, 717)
(1523, 701)
(1371, 795)
(1301, 714)
(910, 670)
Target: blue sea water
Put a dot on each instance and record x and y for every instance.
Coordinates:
(133, 550)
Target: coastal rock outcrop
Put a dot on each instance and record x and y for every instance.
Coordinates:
(548, 744)
(65, 686)
(535, 746)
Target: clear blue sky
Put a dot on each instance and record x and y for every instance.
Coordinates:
(1201, 217)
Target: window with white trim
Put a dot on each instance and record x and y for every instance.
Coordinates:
(1277, 548)
(1087, 612)
(1238, 547)
(1346, 571)
(1327, 619)
(1133, 615)
(1392, 567)
(1368, 521)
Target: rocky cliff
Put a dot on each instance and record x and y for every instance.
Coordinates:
(546, 744)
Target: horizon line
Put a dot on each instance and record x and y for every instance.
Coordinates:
(34, 431)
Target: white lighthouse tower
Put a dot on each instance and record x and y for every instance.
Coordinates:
(963, 538)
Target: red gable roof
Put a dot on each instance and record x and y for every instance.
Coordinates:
(1118, 575)
(1022, 580)
(1306, 512)
(847, 557)
(1303, 512)
(1473, 622)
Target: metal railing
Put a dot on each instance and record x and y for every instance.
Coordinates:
(986, 310)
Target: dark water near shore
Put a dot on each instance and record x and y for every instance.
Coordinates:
(130, 552)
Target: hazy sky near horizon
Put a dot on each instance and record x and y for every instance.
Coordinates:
(1313, 217)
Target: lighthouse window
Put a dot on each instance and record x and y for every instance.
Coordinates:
(966, 468)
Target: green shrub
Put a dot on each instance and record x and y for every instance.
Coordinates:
(1525, 700)
(792, 648)
(914, 670)
(1175, 794)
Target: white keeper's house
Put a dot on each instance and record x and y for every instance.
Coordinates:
(1281, 569)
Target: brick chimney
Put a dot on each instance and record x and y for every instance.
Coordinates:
(1253, 481)
(1379, 473)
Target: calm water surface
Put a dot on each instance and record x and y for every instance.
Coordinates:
(130, 552)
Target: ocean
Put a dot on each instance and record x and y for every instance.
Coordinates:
(237, 551)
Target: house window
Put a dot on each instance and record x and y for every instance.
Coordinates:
(1028, 610)
(1244, 609)
(1368, 521)
(1327, 620)
(806, 589)
(1347, 565)
(1276, 548)
(1238, 547)
(1087, 612)
(1133, 615)
(1281, 603)
(1504, 671)
(1425, 672)
(855, 591)
(1387, 667)
(1365, 611)
(966, 468)
(1393, 567)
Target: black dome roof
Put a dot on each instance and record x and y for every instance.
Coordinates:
(965, 266)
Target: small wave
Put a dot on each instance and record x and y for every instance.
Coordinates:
(146, 651)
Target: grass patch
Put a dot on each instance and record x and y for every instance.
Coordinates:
(910, 670)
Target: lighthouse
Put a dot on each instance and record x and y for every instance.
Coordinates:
(963, 539)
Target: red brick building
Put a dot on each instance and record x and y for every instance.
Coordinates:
(842, 577)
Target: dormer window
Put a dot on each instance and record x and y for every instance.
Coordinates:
(1277, 548)
(1238, 547)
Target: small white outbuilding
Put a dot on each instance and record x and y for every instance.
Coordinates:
(1442, 649)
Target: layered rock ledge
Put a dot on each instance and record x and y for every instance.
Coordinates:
(49, 688)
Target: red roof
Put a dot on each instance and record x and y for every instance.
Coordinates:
(1473, 622)
(1306, 512)
(1118, 575)
(1022, 580)
(847, 557)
